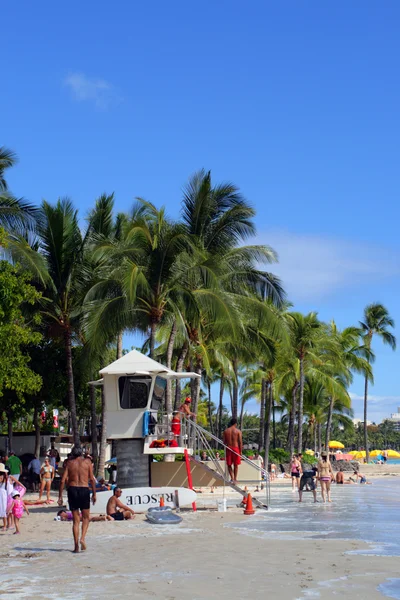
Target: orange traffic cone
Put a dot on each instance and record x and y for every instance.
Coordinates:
(162, 503)
(249, 510)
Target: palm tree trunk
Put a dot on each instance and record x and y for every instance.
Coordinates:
(103, 437)
(119, 345)
(153, 328)
(315, 437)
(179, 367)
(241, 414)
(209, 406)
(301, 407)
(235, 391)
(36, 424)
(220, 408)
(292, 418)
(10, 430)
(71, 391)
(93, 426)
(262, 414)
(319, 437)
(273, 422)
(170, 350)
(268, 413)
(329, 422)
(366, 419)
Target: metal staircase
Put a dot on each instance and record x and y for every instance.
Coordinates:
(201, 442)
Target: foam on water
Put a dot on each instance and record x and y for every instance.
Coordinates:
(368, 513)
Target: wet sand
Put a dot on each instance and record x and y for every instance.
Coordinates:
(205, 557)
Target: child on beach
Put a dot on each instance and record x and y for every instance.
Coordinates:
(17, 509)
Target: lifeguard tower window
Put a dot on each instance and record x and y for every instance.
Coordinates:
(158, 393)
(134, 392)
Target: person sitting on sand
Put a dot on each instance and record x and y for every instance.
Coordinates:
(340, 477)
(116, 509)
(101, 485)
(308, 481)
(325, 475)
(66, 515)
(234, 443)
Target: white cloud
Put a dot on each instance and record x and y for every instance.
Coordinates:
(377, 399)
(86, 89)
(314, 267)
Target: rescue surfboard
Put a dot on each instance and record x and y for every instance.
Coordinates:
(141, 499)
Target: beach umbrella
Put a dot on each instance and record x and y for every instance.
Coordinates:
(393, 454)
(333, 444)
(375, 453)
(360, 454)
(310, 452)
(353, 452)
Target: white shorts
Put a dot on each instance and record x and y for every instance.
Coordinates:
(17, 476)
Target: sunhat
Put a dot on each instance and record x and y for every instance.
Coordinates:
(324, 453)
(3, 468)
(15, 494)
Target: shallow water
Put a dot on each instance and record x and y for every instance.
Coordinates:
(359, 512)
(391, 588)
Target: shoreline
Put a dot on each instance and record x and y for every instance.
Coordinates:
(205, 557)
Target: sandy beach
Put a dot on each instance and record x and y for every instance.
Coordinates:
(206, 556)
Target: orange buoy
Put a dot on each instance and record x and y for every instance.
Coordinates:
(249, 510)
(162, 503)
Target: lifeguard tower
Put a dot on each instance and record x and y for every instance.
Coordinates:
(136, 418)
(134, 388)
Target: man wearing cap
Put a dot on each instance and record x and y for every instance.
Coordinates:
(14, 465)
(185, 408)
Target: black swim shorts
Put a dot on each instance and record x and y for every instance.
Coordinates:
(309, 481)
(79, 498)
(294, 474)
(118, 516)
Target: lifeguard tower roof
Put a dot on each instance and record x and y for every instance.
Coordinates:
(136, 363)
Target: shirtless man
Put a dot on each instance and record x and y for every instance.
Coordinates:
(116, 509)
(185, 408)
(79, 473)
(340, 477)
(233, 440)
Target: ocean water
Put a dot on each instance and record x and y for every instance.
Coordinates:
(368, 513)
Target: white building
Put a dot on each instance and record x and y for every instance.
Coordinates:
(395, 419)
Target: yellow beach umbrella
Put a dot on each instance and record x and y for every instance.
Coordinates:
(353, 452)
(375, 453)
(333, 444)
(361, 454)
(310, 452)
(393, 454)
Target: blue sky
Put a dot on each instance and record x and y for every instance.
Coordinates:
(297, 103)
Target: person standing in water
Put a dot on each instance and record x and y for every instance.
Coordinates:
(325, 475)
(79, 473)
(233, 440)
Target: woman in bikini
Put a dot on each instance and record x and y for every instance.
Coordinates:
(46, 478)
(325, 475)
(295, 471)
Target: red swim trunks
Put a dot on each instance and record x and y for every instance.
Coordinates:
(176, 426)
(231, 457)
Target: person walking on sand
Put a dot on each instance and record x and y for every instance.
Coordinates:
(325, 475)
(79, 473)
(233, 440)
(17, 509)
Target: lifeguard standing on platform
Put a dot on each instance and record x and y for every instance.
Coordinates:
(184, 409)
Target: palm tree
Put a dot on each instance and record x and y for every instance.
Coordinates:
(15, 213)
(304, 334)
(377, 321)
(8, 159)
(55, 259)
